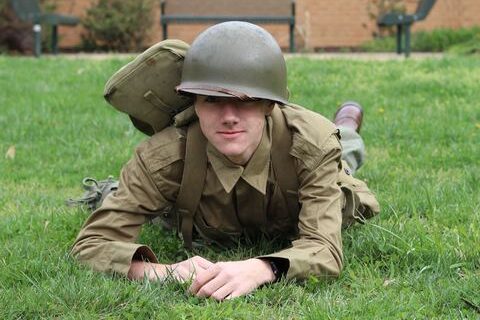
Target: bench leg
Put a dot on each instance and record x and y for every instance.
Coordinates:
(292, 27)
(164, 24)
(164, 31)
(399, 38)
(292, 38)
(407, 40)
(55, 39)
(37, 39)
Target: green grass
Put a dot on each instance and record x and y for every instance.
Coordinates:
(419, 259)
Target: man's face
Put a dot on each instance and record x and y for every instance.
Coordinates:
(233, 126)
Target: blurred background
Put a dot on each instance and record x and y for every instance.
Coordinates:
(319, 25)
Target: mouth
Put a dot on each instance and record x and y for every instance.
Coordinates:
(229, 134)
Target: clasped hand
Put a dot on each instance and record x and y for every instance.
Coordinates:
(221, 280)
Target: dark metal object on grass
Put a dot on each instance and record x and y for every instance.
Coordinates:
(404, 22)
(29, 11)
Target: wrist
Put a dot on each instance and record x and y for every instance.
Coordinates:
(266, 271)
(157, 271)
(143, 269)
(279, 266)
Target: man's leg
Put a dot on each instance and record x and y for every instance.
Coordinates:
(348, 119)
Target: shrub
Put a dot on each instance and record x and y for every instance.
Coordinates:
(469, 47)
(441, 39)
(438, 40)
(383, 44)
(117, 25)
(17, 35)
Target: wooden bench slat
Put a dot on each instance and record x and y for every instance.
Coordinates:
(258, 19)
(254, 11)
(228, 7)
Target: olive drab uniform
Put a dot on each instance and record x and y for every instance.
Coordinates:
(236, 201)
(236, 60)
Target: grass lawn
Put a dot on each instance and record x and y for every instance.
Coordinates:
(420, 258)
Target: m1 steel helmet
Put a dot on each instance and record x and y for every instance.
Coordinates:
(235, 59)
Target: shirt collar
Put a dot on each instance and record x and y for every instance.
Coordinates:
(255, 173)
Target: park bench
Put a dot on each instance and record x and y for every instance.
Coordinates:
(29, 11)
(404, 21)
(216, 11)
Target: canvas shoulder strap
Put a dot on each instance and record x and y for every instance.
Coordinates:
(282, 162)
(193, 180)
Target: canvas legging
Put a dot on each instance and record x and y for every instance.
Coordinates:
(353, 148)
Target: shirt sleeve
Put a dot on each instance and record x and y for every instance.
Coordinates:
(107, 240)
(318, 248)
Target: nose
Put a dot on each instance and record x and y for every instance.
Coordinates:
(229, 113)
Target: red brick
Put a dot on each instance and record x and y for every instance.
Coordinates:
(320, 23)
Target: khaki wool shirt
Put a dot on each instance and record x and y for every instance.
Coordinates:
(236, 201)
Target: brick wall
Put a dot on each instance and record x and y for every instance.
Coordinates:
(320, 23)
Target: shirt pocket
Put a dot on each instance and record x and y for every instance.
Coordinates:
(162, 157)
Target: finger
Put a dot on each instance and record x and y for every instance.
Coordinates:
(223, 292)
(202, 262)
(188, 271)
(233, 295)
(187, 268)
(215, 284)
(238, 292)
(182, 272)
(203, 277)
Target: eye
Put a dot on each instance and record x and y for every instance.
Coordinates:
(212, 99)
(251, 102)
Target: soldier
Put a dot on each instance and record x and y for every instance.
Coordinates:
(272, 170)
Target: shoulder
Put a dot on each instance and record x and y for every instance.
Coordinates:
(163, 148)
(308, 125)
(313, 135)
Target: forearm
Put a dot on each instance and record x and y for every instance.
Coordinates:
(106, 245)
(318, 249)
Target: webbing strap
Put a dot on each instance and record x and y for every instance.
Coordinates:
(193, 180)
(282, 161)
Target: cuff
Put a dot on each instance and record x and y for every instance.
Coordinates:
(279, 265)
(122, 259)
